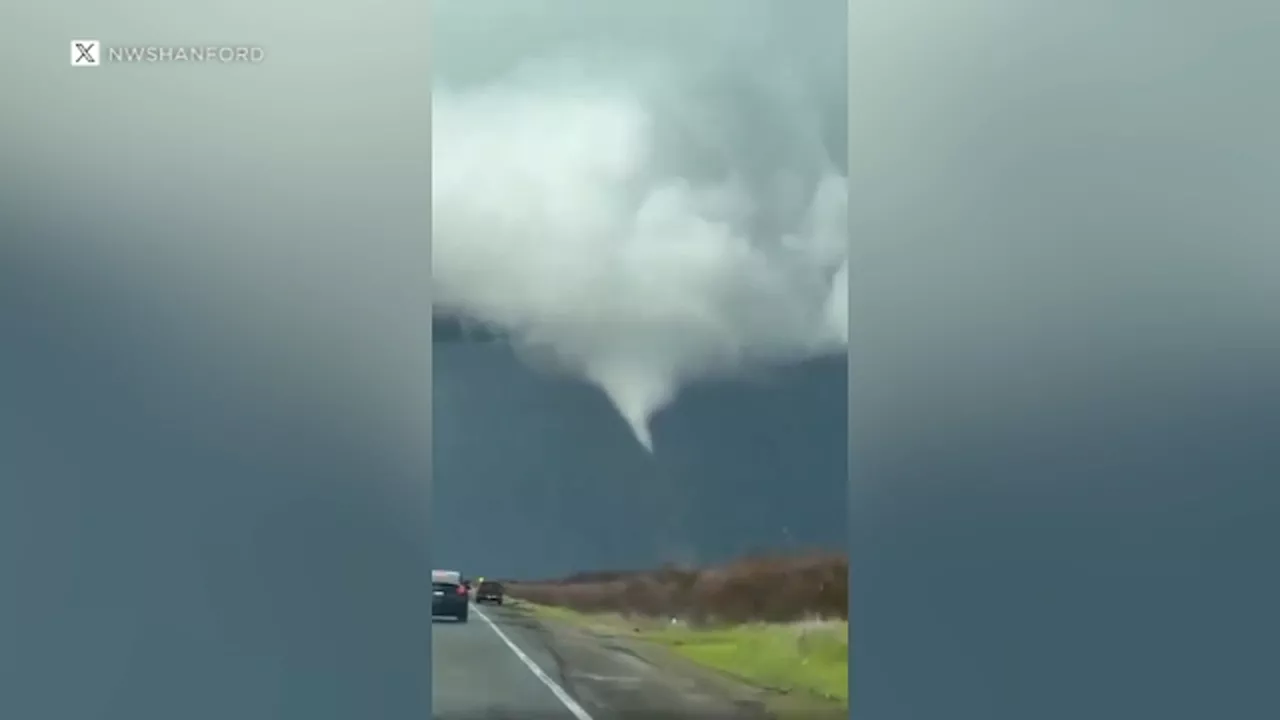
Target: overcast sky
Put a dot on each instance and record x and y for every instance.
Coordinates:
(648, 202)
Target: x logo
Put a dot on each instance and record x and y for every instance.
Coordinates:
(84, 53)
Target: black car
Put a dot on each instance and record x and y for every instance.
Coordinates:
(489, 592)
(449, 596)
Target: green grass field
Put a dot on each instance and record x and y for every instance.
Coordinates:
(806, 657)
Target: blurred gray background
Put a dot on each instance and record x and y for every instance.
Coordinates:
(1065, 359)
(215, 366)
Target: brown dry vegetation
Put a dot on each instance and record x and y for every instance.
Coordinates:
(755, 589)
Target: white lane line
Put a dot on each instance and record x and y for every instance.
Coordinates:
(564, 697)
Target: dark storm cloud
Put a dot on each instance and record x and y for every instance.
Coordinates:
(1065, 359)
(215, 369)
(537, 476)
(452, 329)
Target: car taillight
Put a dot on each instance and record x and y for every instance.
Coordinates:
(462, 589)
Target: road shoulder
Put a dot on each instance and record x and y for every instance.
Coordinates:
(605, 665)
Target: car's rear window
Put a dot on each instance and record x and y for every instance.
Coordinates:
(444, 586)
(490, 587)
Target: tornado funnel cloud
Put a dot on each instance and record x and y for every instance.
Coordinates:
(640, 426)
(637, 393)
(641, 226)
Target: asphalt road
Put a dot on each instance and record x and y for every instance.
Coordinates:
(504, 665)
